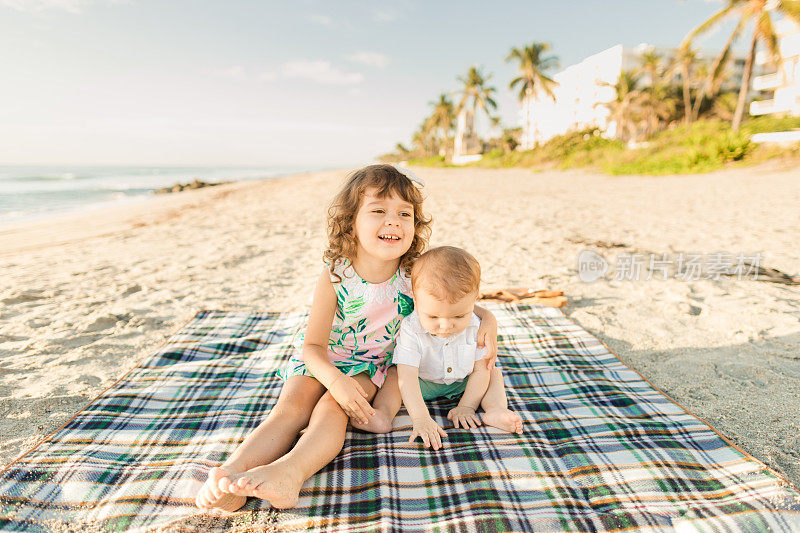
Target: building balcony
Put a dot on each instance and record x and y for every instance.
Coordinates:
(767, 107)
(767, 82)
(789, 47)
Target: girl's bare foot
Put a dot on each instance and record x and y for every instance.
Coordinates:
(504, 419)
(278, 485)
(378, 423)
(212, 497)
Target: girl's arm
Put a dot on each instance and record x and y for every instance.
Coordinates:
(477, 385)
(487, 335)
(425, 427)
(344, 389)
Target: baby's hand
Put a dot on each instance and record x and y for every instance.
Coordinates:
(429, 431)
(465, 416)
(352, 398)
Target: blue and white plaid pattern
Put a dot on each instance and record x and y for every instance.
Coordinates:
(602, 450)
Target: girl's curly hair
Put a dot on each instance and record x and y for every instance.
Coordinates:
(344, 207)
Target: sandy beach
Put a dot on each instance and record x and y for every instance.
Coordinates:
(84, 297)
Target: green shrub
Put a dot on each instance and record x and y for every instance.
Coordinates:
(766, 124)
(700, 147)
(433, 161)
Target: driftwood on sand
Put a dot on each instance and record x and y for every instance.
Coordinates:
(515, 294)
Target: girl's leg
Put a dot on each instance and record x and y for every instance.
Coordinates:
(280, 481)
(386, 404)
(271, 439)
(495, 406)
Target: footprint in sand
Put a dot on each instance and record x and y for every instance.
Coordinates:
(89, 380)
(131, 289)
(105, 322)
(74, 342)
(37, 322)
(23, 296)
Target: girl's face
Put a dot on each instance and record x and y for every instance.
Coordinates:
(384, 227)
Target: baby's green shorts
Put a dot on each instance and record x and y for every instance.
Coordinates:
(432, 390)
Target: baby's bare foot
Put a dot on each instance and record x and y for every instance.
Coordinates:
(504, 419)
(378, 423)
(212, 497)
(278, 485)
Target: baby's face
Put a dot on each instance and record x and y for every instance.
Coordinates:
(440, 317)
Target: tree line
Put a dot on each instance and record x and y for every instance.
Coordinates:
(660, 92)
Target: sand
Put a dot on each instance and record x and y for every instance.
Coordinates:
(84, 297)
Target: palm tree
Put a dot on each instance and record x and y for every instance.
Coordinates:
(533, 67)
(713, 75)
(654, 101)
(684, 61)
(442, 119)
(475, 92)
(653, 109)
(625, 110)
(475, 95)
(758, 12)
(650, 65)
(724, 106)
(424, 138)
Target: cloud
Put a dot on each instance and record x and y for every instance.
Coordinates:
(372, 59)
(320, 72)
(70, 6)
(236, 72)
(320, 19)
(314, 70)
(385, 14)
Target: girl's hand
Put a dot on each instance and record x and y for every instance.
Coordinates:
(465, 416)
(429, 431)
(487, 336)
(352, 398)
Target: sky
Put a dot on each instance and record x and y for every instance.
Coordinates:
(302, 82)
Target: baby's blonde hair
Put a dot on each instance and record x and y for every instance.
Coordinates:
(344, 207)
(447, 273)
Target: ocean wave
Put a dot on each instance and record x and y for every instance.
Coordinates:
(67, 176)
(28, 192)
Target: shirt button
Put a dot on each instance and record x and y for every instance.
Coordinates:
(449, 369)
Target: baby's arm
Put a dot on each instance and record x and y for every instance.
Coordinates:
(425, 427)
(477, 385)
(344, 389)
(487, 335)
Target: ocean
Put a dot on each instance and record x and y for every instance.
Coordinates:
(31, 192)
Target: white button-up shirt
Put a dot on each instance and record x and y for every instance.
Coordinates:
(440, 360)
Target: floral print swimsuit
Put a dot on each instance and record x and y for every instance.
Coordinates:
(365, 325)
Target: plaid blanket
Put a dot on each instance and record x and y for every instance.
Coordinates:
(601, 449)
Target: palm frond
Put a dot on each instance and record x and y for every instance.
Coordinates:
(766, 33)
(791, 8)
(710, 23)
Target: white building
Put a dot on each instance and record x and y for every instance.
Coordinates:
(784, 83)
(578, 98)
(584, 87)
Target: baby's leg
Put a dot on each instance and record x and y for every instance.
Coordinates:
(495, 406)
(270, 440)
(280, 481)
(386, 404)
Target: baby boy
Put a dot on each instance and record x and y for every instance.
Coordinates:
(437, 351)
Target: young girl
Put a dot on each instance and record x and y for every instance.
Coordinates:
(376, 229)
